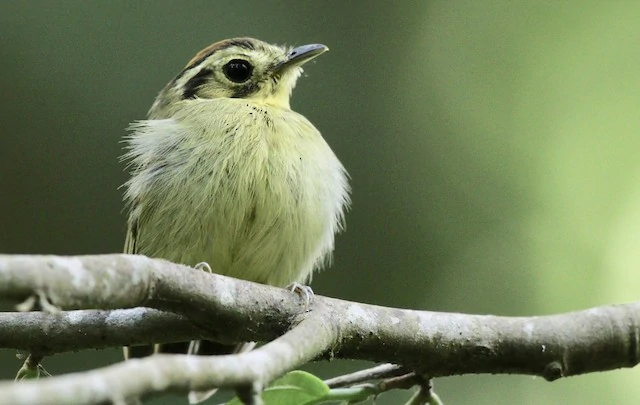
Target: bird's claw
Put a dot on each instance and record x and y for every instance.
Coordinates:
(304, 291)
(203, 266)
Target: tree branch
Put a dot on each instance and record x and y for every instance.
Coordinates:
(434, 344)
(172, 373)
(46, 333)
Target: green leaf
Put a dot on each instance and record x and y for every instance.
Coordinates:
(294, 388)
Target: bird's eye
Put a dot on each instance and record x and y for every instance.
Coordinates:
(238, 70)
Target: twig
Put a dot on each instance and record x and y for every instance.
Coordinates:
(373, 373)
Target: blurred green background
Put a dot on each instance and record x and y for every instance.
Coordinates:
(493, 147)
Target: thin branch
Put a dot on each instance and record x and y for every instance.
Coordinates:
(361, 376)
(173, 373)
(360, 392)
(46, 334)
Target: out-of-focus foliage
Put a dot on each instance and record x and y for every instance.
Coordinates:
(493, 147)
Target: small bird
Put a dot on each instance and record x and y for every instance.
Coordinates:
(224, 172)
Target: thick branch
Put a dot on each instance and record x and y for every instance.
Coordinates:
(128, 281)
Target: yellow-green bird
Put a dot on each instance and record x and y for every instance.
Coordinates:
(224, 172)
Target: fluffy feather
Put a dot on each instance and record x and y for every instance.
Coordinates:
(251, 189)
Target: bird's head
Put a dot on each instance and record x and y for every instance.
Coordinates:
(240, 68)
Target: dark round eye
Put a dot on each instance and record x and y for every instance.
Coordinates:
(238, 70)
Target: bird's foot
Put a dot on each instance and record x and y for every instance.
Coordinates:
(203, 266)
(304, 291)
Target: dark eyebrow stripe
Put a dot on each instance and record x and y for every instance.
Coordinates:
(245, 43)
(192, 86)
